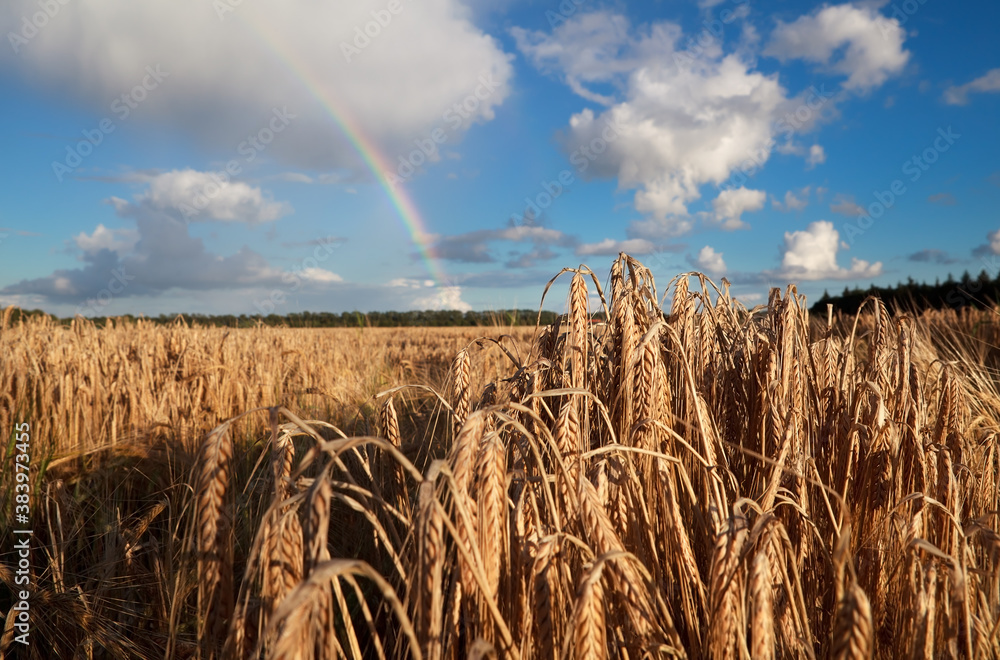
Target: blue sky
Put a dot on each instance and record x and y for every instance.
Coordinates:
(828, 145)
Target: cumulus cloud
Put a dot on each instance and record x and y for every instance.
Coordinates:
(168, 270)
(959, 94)
(729, 207)
(590, 48)
(224, 78)
(165, 257)
(610, 247)
(850, 40)
(992, 247)
(817, 156)
(427, 295)
(102, 238)
(792, 202)
(160, 255)
(811, 254)
(206, 196)
(676, 118)
(319, 275)
(709, 261)
(446, 297)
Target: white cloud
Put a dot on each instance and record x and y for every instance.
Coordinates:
(63, 285)
(446, 297)
(811, 254)
(610, 247)
(319, 275)
(817, 156)
(729, 207)
(164, 258)
(675, 119)
(959, 94)
(995, 241)
(993, 247)
(410, 283)
(102, 238)
(590, 49)
(209, 196)
(159, 267)
(160, 255)
(854, 41)
(792, 201)
(710, 261)
(226, 76)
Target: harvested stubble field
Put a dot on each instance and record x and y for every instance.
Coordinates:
(713, 482)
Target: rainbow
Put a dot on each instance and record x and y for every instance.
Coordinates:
(407, 211)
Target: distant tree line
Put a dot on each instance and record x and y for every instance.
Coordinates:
(981, 291)
(426, 318)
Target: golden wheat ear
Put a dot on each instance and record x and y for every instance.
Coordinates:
(213, 513)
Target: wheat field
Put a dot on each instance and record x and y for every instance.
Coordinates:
(690, 479)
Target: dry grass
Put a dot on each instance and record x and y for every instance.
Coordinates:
(709, 482)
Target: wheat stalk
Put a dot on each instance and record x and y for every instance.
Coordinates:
(316, 533)
(853, 635)
(762, 607)
(491, 482)
(214, 536)
(589, 623)
(462, 392)
(429, 613)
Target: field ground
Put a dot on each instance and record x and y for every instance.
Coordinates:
(708, 483)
